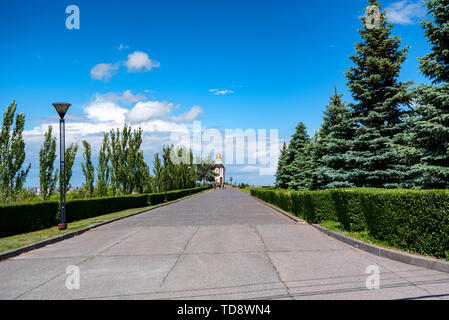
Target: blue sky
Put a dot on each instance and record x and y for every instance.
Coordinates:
(230, 64)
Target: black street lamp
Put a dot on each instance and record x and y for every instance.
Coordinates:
(62, 108)
(165, 176)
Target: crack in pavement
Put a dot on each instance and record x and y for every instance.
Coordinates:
(179, 257)
(266, 251)
(77, 264)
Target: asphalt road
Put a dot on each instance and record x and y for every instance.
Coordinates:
(216, 245)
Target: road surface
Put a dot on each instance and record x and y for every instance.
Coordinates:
(221, 244)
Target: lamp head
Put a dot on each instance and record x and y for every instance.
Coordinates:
(61, 108)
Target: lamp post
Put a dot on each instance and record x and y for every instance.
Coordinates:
(165, 176)
(62, 108)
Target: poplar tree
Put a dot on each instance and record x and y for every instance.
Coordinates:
(70, 155)
(88, 170)
(103, 168)
(379, 105)
(48, 174)
(12, 154)
(430, 135)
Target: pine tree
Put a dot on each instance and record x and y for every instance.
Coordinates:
(88, 170)
(48, 176)
(299, 160)
(335, 138)
(103, 168)
(430, 135)
(281, 174)
(12, 154)
(379, 105)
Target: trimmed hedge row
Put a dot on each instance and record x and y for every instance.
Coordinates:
(16, 219)
(22, 218)
(414, 220)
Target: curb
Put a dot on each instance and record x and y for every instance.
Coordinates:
(404, 257)
(15, 252)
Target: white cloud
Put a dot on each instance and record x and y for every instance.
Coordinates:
(139, 61)
(103, 71)
(105, 111)
(219, 92)
(404, 12)
(127, 97)
(143, 111)
(190, 115)
(122, 46)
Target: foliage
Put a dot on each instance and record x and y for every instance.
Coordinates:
(413, 220)
(48, 176)
(379, 105)
(12, 154)
(70, 155)
(103, 168)
(20, 218)
(88, 170)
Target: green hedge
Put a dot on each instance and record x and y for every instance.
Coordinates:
(16, 219)
(22, 218)
(157, 198)
(413, 220)
(87, 208)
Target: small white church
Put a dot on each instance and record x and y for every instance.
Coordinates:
(220, 170)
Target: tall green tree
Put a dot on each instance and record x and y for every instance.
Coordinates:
(335, 137)
(48, 174)
(88, 170)
(430, 124)
(129, 171)
(12, 154)
(70, 155)
(103, 167)
(282, 176)
(380, 102)
(299, 161)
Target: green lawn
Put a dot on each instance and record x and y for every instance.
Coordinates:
(20, 240)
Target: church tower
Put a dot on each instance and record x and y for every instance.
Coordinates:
(220, 170)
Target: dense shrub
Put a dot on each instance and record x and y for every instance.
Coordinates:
(413, 220)
(88, 208)
(20, 218)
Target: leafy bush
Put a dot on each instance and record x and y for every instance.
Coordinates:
(413, 220)
(88, 208)
(20, 218)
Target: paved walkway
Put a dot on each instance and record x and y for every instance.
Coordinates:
(216, 245)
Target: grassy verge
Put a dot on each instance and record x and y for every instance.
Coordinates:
(21, 240)
(247, 190)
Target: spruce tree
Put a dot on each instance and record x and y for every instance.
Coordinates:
(281, 174)
(430, 134)
(48, 174)
(380, 100)
(299, 160)
(335, 138)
